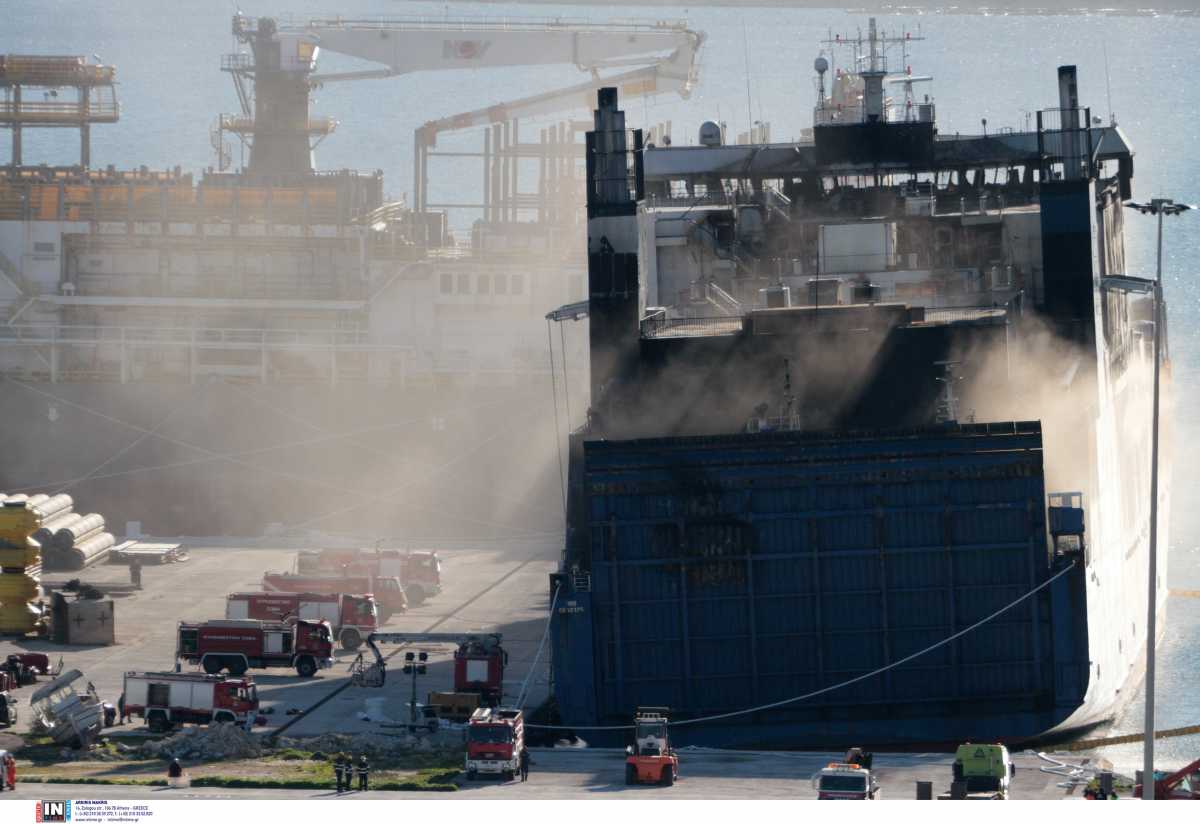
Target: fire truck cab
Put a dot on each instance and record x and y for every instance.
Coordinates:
(650, 760)
(495, 739)
(846, 782)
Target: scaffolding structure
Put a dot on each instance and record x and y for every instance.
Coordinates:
(36, 91)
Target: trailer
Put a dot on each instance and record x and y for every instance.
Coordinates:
(351, 617)
(237, 646)
(167, 699)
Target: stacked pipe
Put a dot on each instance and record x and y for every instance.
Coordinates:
(81, 543)
(19, 557)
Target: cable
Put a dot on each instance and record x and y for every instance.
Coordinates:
(538, 656)
(562, 480)
(210, 454)
(562, 348)
(132, 444)
(847, 683)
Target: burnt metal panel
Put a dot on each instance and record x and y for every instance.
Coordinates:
(760, 567)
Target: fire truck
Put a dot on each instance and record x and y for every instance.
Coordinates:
(421, 571)
(166, 699)
(237, 646)
(495, 738)
(351, 617)
(388, 592)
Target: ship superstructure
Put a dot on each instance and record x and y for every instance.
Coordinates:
(849, 399)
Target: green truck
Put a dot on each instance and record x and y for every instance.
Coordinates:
(981, 771)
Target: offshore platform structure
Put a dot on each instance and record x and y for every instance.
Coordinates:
(833, 383)
(74, 94)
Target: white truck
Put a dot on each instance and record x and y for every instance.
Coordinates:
(851, 782)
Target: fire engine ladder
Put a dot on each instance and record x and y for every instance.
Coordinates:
(363, 674)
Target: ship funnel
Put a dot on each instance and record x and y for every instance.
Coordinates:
(1068, 104)
(1068, 89)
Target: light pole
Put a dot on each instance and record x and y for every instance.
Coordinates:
(411, 667)
(1158, 207)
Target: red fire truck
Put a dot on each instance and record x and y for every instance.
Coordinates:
(420, 571)
(389, 594)
(352, 617)
(495, 738)
(165, 699)
(241, 645)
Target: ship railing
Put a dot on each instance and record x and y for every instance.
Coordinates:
(533, 24)
(1065, 136)
(838, 116)
(34, 112)
(661, 326)
(49, 333)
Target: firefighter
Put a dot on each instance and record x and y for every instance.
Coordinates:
(135, 573)
(175, 770)
(525, 764)
(362, 769)
(339, 771)
(121, 709)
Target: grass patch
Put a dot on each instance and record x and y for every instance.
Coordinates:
(290, 754)
(423, 781)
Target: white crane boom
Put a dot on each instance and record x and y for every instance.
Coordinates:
(407, 45)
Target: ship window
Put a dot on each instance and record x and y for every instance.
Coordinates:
(447, 286)
(464, 284)
(518, 284)
(501, 284)
(483, 285)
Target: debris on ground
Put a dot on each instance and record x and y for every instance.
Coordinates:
(371, 742)
(212, 743)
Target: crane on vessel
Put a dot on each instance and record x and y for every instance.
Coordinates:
(274, 80)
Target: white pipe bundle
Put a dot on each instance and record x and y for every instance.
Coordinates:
(68, 537)
(33, 500)
(90, 551)
(44, 535)
(54, 506)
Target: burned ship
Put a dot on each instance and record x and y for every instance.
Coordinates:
(868, 452)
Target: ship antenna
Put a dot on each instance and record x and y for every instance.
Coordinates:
(1108, 86)
(749, 104)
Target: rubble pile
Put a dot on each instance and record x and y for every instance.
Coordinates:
(212, 743)
(371, 743)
